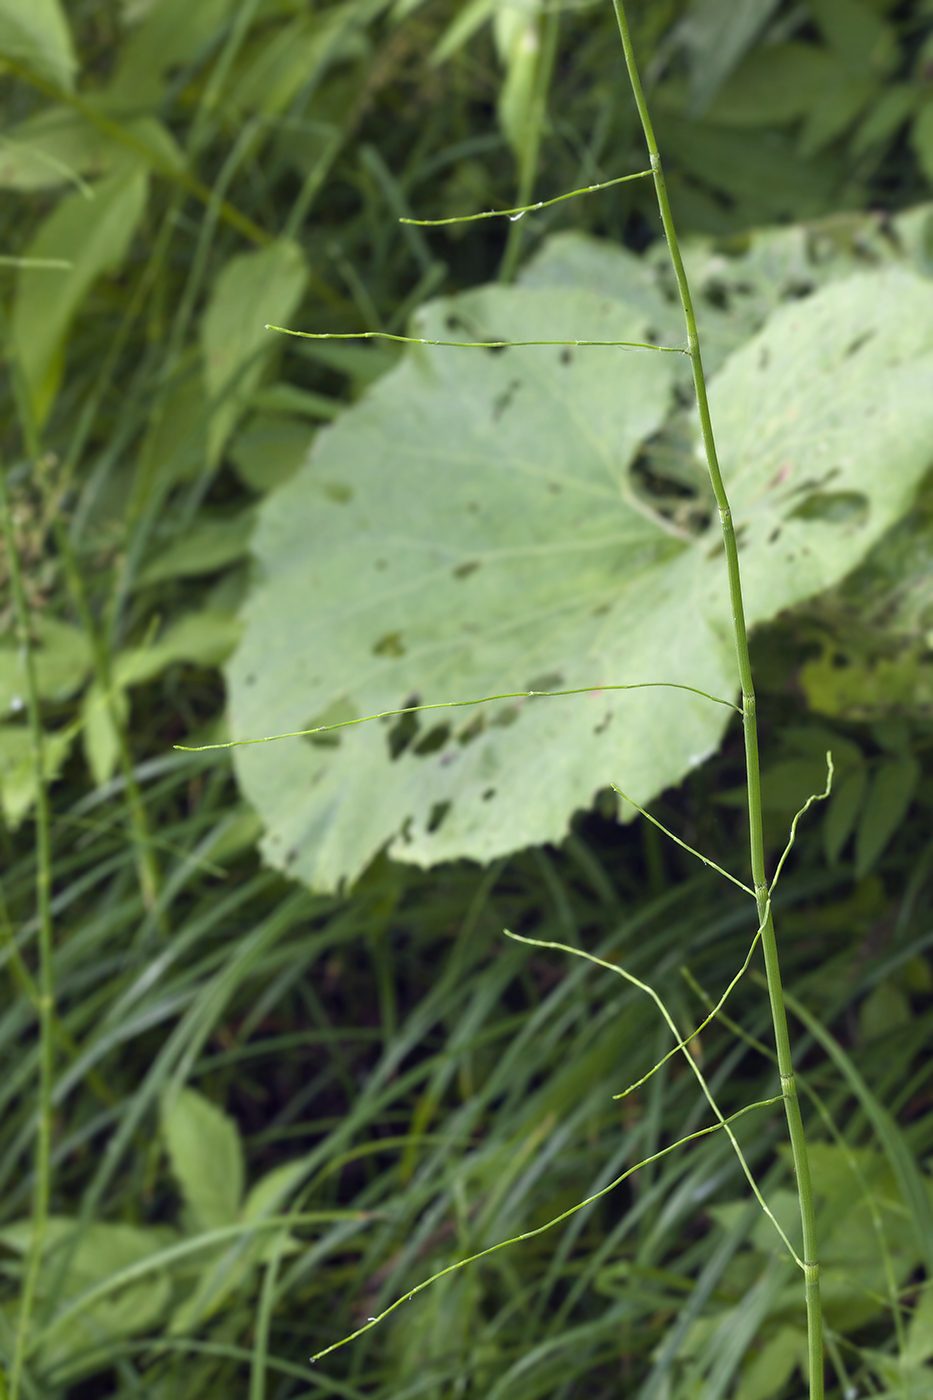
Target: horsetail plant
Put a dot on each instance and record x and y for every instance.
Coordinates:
(809, 1263)
(760, 889)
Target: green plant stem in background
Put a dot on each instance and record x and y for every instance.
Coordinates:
(46, 998)
(750, 727)
(531, 144)
(146, 862)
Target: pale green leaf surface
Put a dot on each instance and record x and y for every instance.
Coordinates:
(207, 1158)
(62, 657)
(94, 236)
(253, 290)
(469, 529)
(36, 34)
(18, 786)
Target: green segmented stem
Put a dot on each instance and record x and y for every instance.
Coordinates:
(750, 727)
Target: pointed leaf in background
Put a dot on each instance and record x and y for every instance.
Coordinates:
(58, 146)
(62, 656)
(35, 33)
(18, 785)
(93, 235)
(253, 290)
(207, 1158)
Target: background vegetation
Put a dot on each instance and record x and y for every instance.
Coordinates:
(379, 1065)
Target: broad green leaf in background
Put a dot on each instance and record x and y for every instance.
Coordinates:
(717, 33)
(172, 33)
(35, 33)
(18, 769)
(208, 546)
(207, 1158)
(253, 290)
(470, 528)
(99, 730)
(269, 450)
(772, 1367)
(886, 805)
(94, 236)
(59, 146)
(99, 1251)
(62, 656)
(202, 638)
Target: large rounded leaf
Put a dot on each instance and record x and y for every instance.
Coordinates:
(470, 528)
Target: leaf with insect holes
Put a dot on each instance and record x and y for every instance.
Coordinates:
(470, 528)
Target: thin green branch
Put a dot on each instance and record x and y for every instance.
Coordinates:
(714, 1012)
(694, 1067)
(814, 797)
(460, 704)
(540, 1230)
(683, 845)
(517, 213)
(476, 344)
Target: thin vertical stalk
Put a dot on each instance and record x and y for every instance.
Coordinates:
(750, 728)
(46, 991)
(531, 144)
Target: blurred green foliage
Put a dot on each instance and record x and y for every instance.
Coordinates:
(358, 1089)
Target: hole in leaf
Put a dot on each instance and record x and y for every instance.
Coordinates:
(858, 342)
(404, 730)
(504, 400)
(337, 712)
(834, 507)
(468, 567)
(489, 794)
(549, 681)
(389, 645)
(435, 739)
(472, 731)
(338, 491)
(506, 716)
(438, 813)
(566, 356)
